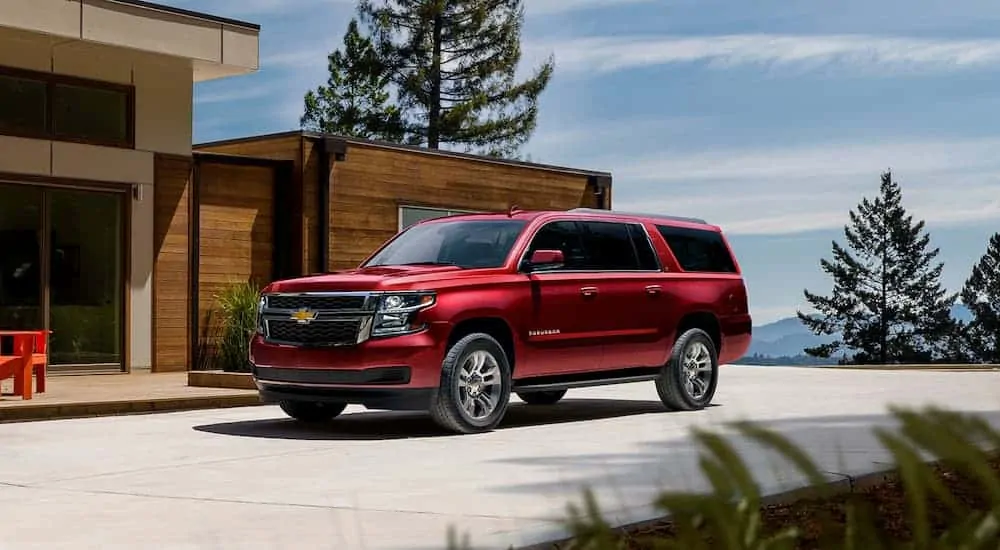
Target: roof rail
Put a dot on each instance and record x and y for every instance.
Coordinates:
(640, 215)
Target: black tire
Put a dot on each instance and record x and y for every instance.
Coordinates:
(672, 385)
(312, 413)
(447, 408)
(542, 397)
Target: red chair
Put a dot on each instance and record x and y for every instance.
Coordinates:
(40, 359)
(19, 366)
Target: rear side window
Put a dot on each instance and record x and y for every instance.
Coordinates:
(698, 250)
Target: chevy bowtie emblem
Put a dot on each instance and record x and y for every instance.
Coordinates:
(304, 316)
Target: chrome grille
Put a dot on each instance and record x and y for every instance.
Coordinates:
(316, 301)
(317, 319)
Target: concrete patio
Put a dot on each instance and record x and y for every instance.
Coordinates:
(70, 396)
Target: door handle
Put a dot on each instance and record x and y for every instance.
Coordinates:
(653, 289)
(589, 291)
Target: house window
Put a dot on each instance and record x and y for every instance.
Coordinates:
(409, 215)
(49, 106)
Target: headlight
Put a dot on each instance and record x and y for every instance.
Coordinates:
(261, 304)
(397, 313)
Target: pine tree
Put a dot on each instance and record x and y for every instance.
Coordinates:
(356, 100)
(888, 304)
(981, 294)
(453, 69)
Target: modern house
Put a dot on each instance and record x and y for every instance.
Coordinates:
(95, 111)
(117, 234)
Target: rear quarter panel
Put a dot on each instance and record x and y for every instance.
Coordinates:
(722, 294)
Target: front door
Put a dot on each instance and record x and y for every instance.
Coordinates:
(62, 268)
(565, 308)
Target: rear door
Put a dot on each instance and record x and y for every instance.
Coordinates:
(630, 303)
(565, 307)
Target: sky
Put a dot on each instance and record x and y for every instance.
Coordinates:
(769, 118)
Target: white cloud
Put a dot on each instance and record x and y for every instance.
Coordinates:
(859, 52)
(233, 95)
(782, 191)
(553, 7)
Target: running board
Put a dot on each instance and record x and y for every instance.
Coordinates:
(585, 380)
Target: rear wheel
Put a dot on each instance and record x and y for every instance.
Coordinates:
(475, 385)
(542, 397)
(688, 380)
(311, 413)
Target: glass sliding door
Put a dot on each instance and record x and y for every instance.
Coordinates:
(21, 288)
(62, 268)
(85, 279)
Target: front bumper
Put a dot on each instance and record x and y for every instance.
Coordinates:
(398, 373)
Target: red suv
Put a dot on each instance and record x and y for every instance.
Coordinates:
(454, 314)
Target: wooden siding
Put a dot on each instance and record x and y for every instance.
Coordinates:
(310, 207)
(368, 187)
(171, 193)
(236, 233)
(300, 152)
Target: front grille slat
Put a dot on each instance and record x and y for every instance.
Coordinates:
(338, 332)
(338, 319)
(317, 302)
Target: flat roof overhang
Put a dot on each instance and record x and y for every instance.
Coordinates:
(217, 47)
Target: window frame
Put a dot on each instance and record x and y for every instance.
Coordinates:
(579, 223)
(51, 80)
(447, 212)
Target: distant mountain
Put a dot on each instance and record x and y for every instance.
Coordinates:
(788, 337)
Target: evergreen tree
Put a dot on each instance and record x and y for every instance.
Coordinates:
(356, 100)
(453, 66)
(981, 294)
(887, 304)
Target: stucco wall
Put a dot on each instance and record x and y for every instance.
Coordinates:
(163, 117)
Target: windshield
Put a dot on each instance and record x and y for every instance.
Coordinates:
(462, 243)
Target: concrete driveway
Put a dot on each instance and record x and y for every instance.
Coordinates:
(250, 478)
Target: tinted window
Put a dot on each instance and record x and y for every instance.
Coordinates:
(698, 250)
(647, 256)
(609, 247)
(88, 113)
(563, 236)
(467, 244)
(22, 106)
(40, 105)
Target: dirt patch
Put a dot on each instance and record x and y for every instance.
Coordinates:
(822, 521)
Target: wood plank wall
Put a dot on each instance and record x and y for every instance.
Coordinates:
(236, 233)
(369, 185)
(171, 225)
(299, 151)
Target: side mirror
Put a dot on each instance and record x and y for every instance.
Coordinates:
(550, 259)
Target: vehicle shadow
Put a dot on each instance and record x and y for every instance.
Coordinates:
(367, 426)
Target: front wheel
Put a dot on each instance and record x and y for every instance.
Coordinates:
(688, 380)
(312, 412)
(542, 397)
(475, 386)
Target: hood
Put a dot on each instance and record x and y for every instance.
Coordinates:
(369, 278)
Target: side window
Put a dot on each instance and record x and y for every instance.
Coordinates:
(643, 248)
(698, 250)
(609, 247)
(564, 236)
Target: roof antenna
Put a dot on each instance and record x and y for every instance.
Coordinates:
(513, 210)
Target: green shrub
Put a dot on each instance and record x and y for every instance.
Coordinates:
(729, 516)
(237, 310)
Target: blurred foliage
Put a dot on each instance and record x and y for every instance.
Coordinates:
(729, 516)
